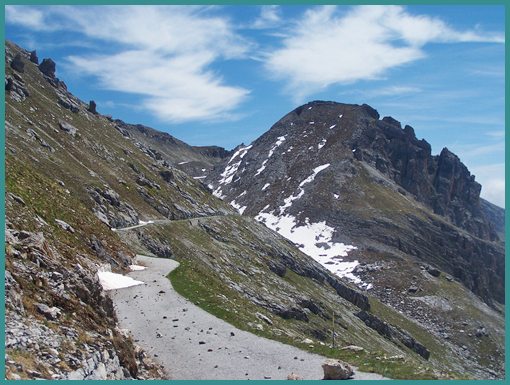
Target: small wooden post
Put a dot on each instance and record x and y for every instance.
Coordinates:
(333, 332)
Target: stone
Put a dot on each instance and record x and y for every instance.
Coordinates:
(51, 313)
(264, 318)
(48, 67)
(293, 377)
(33, 57)
(412, 289)
(433, 271)
(64, 225)
(353, 348)
(67, 127)
(92, 107)
(336, 370)
(18, 64)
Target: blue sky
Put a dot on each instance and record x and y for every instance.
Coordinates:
(224, 74)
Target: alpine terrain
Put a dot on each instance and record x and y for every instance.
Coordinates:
(334, 235)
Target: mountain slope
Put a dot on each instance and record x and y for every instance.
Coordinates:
(367, 200)
(72, 175)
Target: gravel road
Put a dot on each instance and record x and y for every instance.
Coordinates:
(194, 345)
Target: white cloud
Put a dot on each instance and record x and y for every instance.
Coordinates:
(324, 48)
(393, 91)
(164, 54)
(492, 179)
(269, 17)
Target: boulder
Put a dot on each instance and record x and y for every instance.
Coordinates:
(433, 271)
(92, 107)
(51, 313)
(67, 127)
(17, 63)
(64, 225)
(336, 370)
(33, 57)
(353, 348)
(48, 67)
(293, 376)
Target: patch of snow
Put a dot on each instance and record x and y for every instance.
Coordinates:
(336, 196)
(311, 123)
(287, 202)
(210, 186)
(262, 168)
(321, 144)
(315, 240)
(309, 108)
(277, 144)
(243, 193)
(113, 281)
(228, 174)
(143, 223)
(354, 150)
(238, 207)
(200, 177)
(203, 169)
(340, 116)
(265, 208)
(265, 186)
(136, 267)
(183, 162)
(333, 126)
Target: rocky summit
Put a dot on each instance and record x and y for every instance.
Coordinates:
(336, 233)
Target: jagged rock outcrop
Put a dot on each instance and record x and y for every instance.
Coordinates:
(393, 333)
(33, 57)
(48, 67)
(18, 64)
(368, 179)
(92, 107)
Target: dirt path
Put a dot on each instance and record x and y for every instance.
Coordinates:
(194, 345)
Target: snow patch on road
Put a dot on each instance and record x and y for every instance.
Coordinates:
(114, 281)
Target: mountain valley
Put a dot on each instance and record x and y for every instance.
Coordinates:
(333, 229)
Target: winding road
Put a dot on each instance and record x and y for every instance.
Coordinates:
(192, 344)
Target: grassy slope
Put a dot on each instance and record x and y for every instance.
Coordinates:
(197, 279)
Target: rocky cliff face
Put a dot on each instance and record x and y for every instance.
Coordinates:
(367, 199)
(311, 164)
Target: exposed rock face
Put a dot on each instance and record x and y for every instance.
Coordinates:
(366, 182)
(33, 57)
(393, 333)
(18, 64)
(213, 151)
(92, 107)
(48, 67)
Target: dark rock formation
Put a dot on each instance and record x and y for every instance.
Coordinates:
(18, 64)
(33, 57)
(92, 107)
(48, 67)
(213, 151)
(393, 333)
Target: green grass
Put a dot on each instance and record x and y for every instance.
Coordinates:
(196, 283)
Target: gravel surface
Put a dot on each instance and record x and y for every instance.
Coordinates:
(194, 345)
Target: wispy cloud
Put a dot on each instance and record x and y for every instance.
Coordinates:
(325, 47)
(165, 54)
(269, 17)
